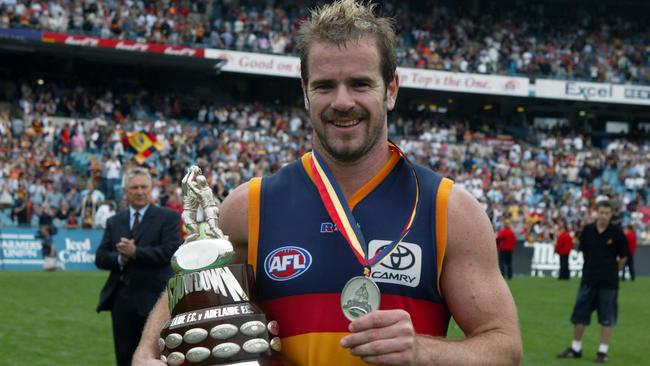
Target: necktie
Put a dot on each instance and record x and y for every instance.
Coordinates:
(136, 223)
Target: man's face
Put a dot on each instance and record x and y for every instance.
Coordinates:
(138, 191)
(347, 99)
(604, 215)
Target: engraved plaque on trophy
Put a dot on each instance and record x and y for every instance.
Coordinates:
(213, 321)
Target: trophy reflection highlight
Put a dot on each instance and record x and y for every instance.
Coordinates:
(213, 321)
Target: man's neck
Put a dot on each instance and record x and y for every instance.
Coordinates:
(354, 175)
(601, 227)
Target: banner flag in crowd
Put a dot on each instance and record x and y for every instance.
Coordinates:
(144, 144)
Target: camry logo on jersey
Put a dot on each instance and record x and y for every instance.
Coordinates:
(328, 227)
(402, 267)
(400, 259)
(286, 263)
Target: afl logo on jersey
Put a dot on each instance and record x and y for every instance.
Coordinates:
(286, 263)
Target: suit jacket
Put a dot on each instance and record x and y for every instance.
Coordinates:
(146, 275)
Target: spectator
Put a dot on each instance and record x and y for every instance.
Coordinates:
(45, 233)
(630, 236)
(6, 200)
(91, 198)
(112, 168)
(21, 211)
(53, 196)
(605, 251)
(74, 199)
(563, 247)
(65, 217)
(104, 212)
(506, 244)
(45, 215)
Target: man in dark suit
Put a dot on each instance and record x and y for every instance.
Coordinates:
(137, 246)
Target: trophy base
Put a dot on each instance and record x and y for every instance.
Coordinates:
(236, 331)
(227, 334)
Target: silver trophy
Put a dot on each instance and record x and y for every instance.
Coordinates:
(213, 321)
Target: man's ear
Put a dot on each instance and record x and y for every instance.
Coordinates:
(391, 92)
(304, 94)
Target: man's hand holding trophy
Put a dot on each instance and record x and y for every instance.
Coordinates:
(213, 321)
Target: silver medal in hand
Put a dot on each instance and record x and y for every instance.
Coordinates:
(360, 296)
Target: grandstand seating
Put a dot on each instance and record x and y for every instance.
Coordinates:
(600, 46)
(239, 158)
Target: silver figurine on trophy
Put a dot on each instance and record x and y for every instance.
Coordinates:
(213, 321)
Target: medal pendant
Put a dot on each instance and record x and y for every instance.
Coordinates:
(360, 296)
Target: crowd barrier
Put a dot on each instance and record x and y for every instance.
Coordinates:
(538, 259)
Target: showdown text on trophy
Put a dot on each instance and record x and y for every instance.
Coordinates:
(212, 320)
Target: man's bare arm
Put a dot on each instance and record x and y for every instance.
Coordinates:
(233, 221)
(148, 353)
(476, 293)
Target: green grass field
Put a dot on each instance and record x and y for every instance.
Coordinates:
(49, 319)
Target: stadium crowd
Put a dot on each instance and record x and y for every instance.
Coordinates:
(63, 154)
(530, 39)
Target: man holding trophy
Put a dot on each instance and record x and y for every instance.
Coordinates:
(359, 255)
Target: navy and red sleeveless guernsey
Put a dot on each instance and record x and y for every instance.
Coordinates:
(302, 262)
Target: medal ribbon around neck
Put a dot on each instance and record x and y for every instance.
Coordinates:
(340, 213)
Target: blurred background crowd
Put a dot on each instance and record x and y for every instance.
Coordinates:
(58, 169)
(511, 38)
